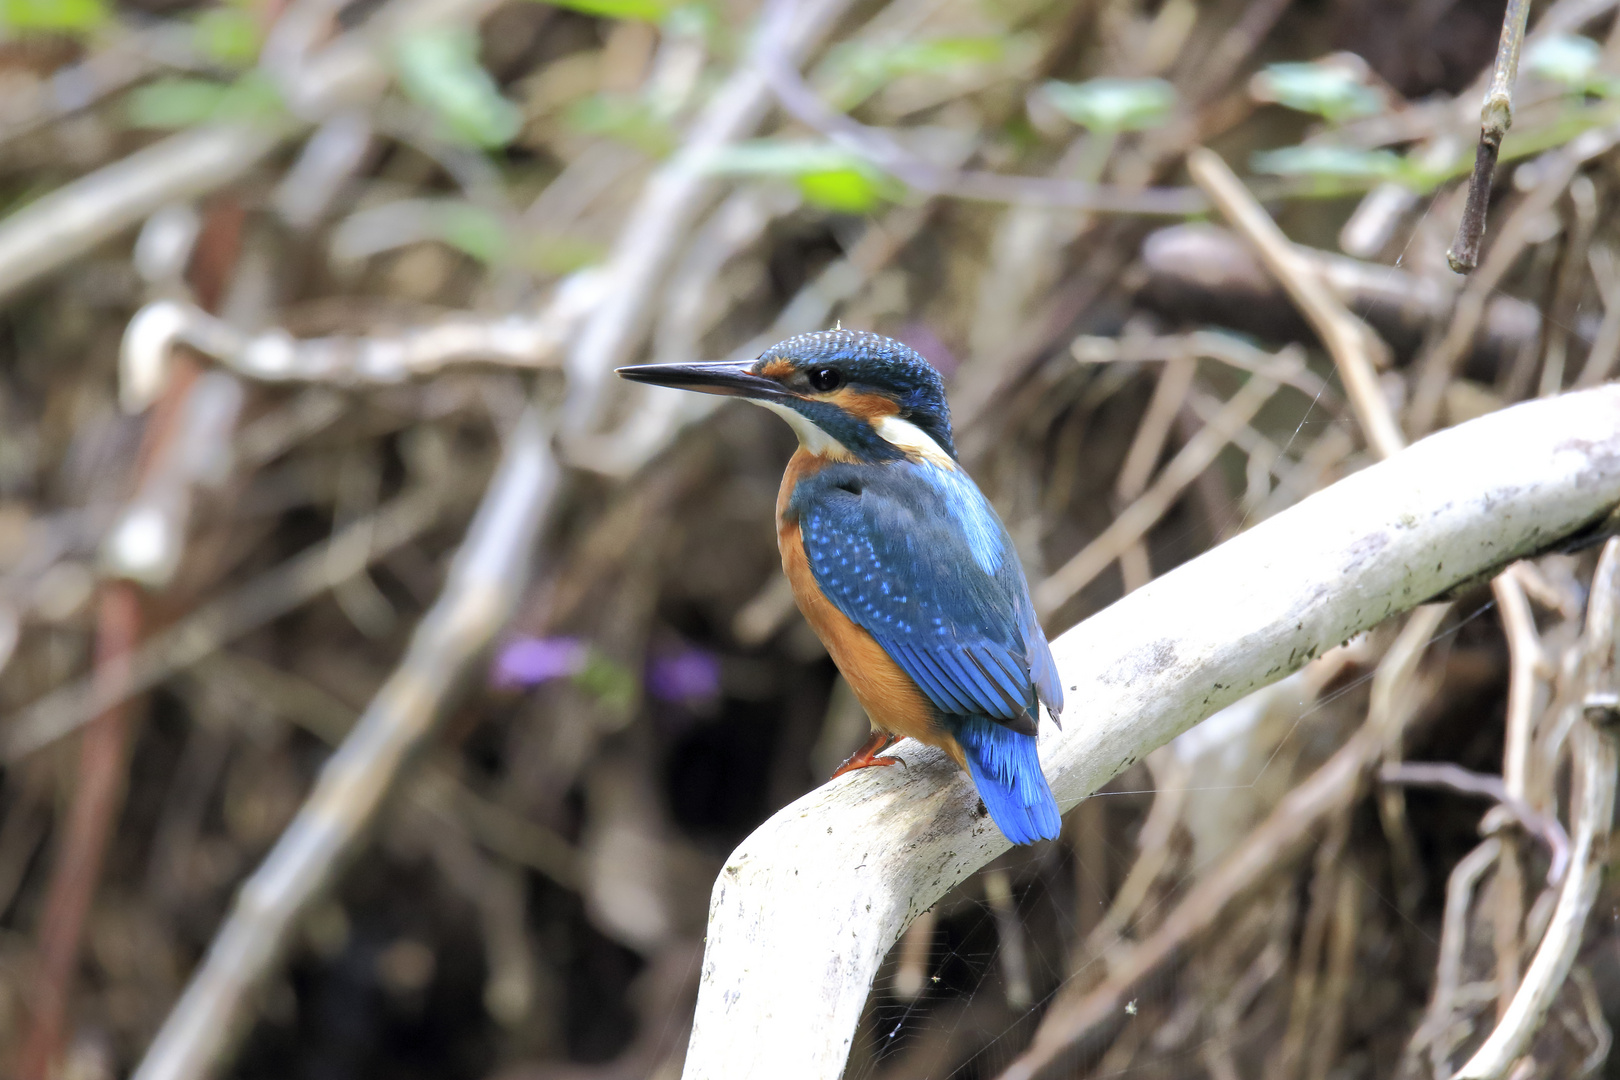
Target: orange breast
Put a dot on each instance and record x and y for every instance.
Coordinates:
(889, 696)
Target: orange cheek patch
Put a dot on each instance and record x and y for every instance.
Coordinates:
(866, 406)
(776, 368)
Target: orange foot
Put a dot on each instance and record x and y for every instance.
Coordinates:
(866, 756)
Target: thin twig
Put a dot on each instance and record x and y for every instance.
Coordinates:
(1391, 705)
(1136, 519)
(192, 425)
(1326, 872)
(1605, 347)
(1495, 117)
(1437, 364)
(1147, 446)
(1216, 345)
(103, 756)
(1356, 350)
(482, 586)
(1338, 975)
(1597, 753)
(1010, 937)
(1154, 841)
(1431, 1034)
(271, 595)
(1525, 652)
(916, 953)
(1447, 775)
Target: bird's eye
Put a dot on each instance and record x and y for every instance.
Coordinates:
(824, 379)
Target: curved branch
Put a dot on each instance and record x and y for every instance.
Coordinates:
(1448, 775)
(807, 907)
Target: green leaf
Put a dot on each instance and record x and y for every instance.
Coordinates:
(53, 16)
(486, 236)
(1114, 105)
(858, 69)
(476, 232)
(626, 117)
(1567, 59)
(439, 69)
(229, 35)
(646, 10)
(181, 102)
(846, 191)
(1330, 90)
(825, 174)
(611, 683)
(1332, 162)
(561, 254)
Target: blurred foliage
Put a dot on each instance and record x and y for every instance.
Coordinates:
(824, 173)
(1333, 91)
(439, 69)
(856, 70)
(230, 34)
(174, 102)
(1114, 105)
(53, 16)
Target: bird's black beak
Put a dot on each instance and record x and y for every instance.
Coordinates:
(731, 377)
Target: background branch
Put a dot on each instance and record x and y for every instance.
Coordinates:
(477, 597)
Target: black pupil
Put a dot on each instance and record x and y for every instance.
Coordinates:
(825, 379)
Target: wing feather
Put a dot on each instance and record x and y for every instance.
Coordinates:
(944, 598)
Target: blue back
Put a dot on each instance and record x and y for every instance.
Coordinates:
(913, 553)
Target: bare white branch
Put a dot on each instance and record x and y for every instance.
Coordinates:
(519, 341)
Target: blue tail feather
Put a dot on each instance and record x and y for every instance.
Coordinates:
(1007, 773)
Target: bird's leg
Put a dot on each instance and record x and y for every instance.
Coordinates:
(866, 756)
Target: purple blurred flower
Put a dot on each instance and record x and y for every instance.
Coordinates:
(690, 675)
(532, 661)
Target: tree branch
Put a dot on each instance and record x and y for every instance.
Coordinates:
(1495, 117)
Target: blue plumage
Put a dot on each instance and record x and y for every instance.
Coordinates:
(1007, 774)
(912, 553)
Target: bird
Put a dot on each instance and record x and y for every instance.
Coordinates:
(899, 563)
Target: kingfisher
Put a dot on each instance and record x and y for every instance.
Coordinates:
(899, 563)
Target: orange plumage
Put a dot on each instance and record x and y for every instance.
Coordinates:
(889, 696)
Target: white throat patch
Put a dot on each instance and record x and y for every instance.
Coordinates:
(901, 434)
(811, 437)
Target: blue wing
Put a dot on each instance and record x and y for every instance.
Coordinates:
(913, 554)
